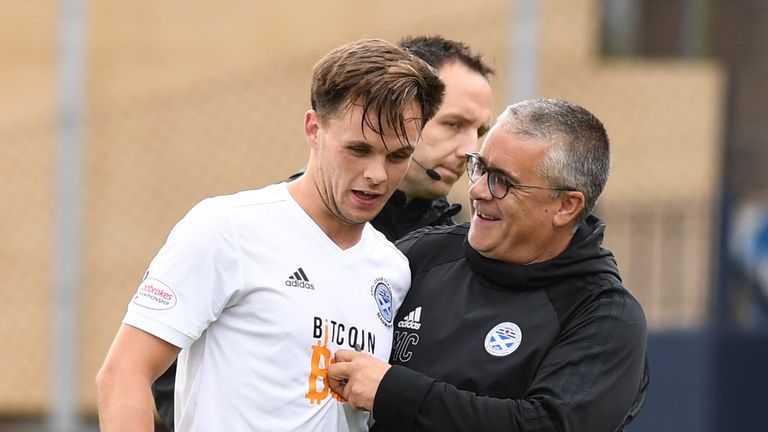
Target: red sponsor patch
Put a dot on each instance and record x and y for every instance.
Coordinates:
(153, 294)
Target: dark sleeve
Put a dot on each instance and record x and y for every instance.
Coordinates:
(588, 381)
(162, 390)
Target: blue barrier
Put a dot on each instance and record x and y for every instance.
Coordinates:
(706, 380)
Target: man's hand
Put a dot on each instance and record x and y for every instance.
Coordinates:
(356, 376)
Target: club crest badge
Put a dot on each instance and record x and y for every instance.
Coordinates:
(503, 339)
(382, 294)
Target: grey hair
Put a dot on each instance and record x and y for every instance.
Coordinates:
(578, 155)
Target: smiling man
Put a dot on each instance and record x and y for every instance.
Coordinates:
(263, 286)
(518, 321)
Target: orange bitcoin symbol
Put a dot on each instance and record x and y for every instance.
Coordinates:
(321, 358)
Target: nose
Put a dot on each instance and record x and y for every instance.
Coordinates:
(376, 171)
(468, 142)
(479, 189)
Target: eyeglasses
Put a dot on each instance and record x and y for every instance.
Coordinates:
(498, 183)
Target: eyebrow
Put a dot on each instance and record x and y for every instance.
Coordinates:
(481, 130)
(455, 115)
(506, 173)
(357, 143)
(408, 151)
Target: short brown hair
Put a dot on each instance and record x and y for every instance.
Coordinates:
(383, 77)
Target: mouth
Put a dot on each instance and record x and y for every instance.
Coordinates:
(486, 217)
(366, 196)
(452, 173)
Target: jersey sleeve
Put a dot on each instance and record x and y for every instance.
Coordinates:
(192, 278)
(588, 381)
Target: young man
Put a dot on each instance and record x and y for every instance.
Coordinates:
(518, 321)
(257, 290)
(420, 200)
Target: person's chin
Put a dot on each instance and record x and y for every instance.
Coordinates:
(364, 215)
(439, 190)
(478, 240)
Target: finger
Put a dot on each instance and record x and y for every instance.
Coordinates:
(344, 355)
(339, 371)
(337, 385)
(336, 380)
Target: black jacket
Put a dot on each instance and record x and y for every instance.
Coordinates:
(395, 220)
(484, 345)
(399, 218)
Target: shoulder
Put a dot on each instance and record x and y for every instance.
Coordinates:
(249, 206)
(609, 289)
(434, 245)
(601, 295)
(432, 235)
(216, 215)
(381, 243)
(274, 193)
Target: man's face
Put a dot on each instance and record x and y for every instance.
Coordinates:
(463, 117)
(519, 227)
(356, 172)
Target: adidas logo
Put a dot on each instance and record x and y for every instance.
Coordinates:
(412, 320)
(299, 279)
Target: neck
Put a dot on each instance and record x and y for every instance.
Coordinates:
(306, 193)
(534, 251)
(556, 245)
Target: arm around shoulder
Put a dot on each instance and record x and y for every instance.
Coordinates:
(135, 359)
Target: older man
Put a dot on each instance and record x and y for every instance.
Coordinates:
(518, 321)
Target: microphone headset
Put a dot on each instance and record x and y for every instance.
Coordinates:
(430, 172)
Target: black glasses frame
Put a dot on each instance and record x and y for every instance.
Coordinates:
(494, 177)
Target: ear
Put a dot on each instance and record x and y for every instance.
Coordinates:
(311, 128)
(571, 204)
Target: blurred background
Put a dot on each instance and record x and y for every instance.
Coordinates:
(117, 117)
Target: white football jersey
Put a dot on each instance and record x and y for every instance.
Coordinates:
(259, 299)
